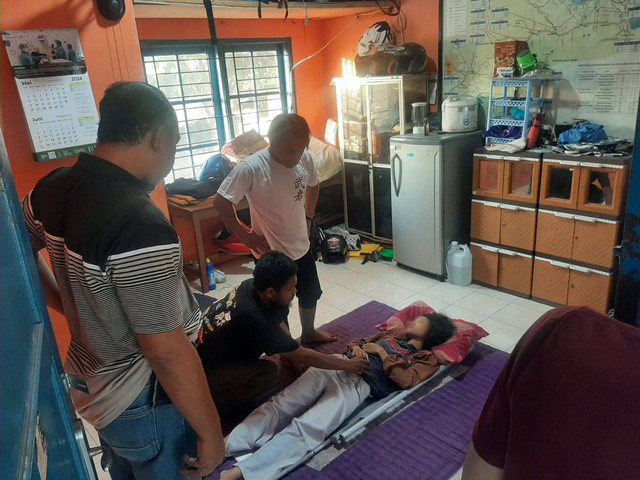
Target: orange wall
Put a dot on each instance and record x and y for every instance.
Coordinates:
(420, 19)
(314, 93)
(112, 53)
(309, 78)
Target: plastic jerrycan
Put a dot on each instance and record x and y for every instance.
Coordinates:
(459, 264)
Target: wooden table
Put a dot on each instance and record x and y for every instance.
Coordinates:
(195, 214)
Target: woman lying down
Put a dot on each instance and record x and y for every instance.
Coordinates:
(298, 419)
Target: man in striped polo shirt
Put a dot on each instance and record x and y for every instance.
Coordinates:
(117, 277)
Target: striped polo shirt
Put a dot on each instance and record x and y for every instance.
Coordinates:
(118, 264)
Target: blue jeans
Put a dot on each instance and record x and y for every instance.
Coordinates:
(149, 438)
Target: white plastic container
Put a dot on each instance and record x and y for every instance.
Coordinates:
(459, 264)
(459, 113)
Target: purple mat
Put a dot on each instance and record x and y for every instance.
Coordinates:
(428, 440)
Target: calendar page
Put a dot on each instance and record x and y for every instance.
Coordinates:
(55, 91)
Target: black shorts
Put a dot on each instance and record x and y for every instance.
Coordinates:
(309, 291)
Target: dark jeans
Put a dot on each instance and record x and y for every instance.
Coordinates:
(149, 438)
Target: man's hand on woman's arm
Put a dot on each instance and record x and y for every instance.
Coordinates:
(311, 358)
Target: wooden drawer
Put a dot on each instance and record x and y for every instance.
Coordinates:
(485, 221)
(594, 240)
(555, 233)
(515, 271)
(550, 280)
(485, 264)
(590, 288)
(518, 226)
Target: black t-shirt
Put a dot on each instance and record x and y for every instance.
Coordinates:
(239, 327)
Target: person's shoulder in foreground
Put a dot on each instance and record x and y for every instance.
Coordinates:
(565, 404)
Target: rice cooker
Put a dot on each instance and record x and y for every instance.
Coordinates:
(459, 113)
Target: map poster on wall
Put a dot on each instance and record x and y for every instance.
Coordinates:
(592, 46)
(55, 91)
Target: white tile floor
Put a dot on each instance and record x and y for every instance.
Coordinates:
(351, 285)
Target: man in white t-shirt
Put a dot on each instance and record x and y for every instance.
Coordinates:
(281, 187)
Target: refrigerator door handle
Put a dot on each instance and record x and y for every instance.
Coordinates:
(397, 177)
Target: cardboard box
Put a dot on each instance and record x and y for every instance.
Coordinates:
(506, 53)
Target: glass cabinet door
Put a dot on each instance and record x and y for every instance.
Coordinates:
(385, 118)
(488, 175)
(559, 185)
(602, 189)
(382, 202)
(521, 181)
(358, 196)
(354, 122)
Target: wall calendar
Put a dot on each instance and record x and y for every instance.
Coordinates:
(55, 91)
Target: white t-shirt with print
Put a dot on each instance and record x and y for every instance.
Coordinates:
(276, 198)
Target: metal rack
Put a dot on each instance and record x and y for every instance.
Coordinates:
(498, 104)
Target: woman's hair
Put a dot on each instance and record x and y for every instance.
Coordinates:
(440, 330)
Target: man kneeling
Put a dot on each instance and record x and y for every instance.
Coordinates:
(252, 321)
(299, 418)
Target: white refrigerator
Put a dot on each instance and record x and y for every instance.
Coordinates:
(431, 196)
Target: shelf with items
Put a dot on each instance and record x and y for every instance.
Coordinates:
(501, 101)
(370, 111)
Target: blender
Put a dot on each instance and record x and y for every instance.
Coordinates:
(419, 118)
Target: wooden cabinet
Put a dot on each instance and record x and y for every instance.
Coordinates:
(550, 280)
(566, 209)
(369, 112)
(485, 264)
(581, 238)
(514, 271)
(555, 233)
(500, 267)
(504, 224)
(594, 240)
(521, 180)
(488, 175)
(585, 183)
(518, 226)
(591, 288)
(513, 178)
(485, 221)
(602, 188)
(559, 184)
(568, 284)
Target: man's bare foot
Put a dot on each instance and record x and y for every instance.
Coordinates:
(233, 474)
(318, 337)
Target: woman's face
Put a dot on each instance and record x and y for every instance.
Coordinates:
(418, 328)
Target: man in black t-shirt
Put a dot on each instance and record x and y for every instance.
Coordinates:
(252, 321)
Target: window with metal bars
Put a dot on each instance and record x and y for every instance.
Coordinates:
(217, 101)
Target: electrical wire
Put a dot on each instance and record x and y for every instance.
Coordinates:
(332, 40)
(390, 13)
